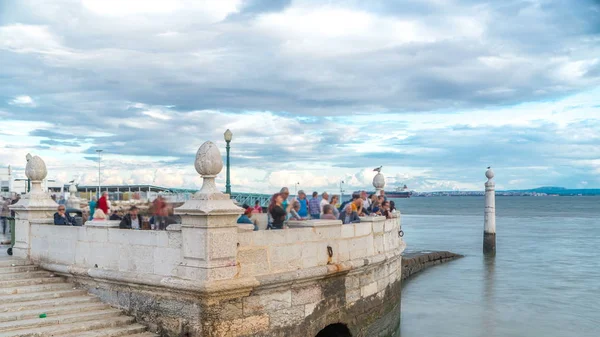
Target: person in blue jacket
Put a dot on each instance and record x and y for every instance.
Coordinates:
(245, 218)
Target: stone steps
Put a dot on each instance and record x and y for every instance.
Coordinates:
(60, 319)
(24, 275)
(41, 295)
(26, 292)
(44, 279)
(130, 330)
(11, 262)
(31, 313)
(47, 304)
(36, 288)
(18, 269)
(75, 329)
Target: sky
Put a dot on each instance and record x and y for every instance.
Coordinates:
(315, 92)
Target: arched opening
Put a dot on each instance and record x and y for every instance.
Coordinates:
(335, 330)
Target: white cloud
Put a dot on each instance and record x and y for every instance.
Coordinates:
(23, 100)
(20, 38)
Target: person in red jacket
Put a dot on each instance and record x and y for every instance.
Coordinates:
(161, 212)
(103, 203)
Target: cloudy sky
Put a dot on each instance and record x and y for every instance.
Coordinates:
(314, 91)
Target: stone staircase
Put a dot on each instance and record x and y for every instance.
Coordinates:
(26, 292)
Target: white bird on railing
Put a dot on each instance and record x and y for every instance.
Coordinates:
(378, 169)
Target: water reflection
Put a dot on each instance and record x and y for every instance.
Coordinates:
(489, 264)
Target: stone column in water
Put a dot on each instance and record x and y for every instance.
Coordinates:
(489, 229)
(35, 207)
(208, 224)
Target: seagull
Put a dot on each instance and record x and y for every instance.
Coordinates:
(489, 167)
(72, 181)
(377, 169)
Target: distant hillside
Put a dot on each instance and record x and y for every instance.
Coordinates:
(563, 191)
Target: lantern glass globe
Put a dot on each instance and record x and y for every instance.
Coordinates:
(228, 135)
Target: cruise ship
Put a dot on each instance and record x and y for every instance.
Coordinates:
(399, 192)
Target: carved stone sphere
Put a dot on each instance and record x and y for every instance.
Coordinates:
(379, 181)
(489, 173)
(36, 168)
(208, 160)
(72, 189)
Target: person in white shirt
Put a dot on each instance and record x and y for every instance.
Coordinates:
(324, 201)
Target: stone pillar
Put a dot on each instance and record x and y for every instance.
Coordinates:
(378, 183)
(489, 229)
(36, 206)
(209, 224)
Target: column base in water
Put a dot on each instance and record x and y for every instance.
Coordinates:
(489, 243)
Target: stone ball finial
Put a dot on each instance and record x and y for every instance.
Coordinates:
(489, 173)
(208, 160)
(379, 181)
(36, 168)
(72, 189)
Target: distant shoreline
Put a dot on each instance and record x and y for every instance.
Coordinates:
(498, 194)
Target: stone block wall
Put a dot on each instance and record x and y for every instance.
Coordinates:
(102, 247)
(305, 245)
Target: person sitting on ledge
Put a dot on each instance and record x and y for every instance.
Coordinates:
(328, 213)
(99, 215)
(294, 211)
(132, 220)
(245, 218)
(115, 216)
(349, 215)
(62, 218)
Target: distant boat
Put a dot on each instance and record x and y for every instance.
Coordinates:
(399, 193)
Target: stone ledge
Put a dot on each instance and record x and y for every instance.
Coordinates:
(415, 262)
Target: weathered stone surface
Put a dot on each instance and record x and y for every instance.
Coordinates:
(305, 295)
(268, 301)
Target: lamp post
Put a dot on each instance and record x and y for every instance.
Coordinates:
(99, 152)
(228, 136)
(341, 191)
(296, 188)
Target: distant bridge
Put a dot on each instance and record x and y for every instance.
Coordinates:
(250, 198)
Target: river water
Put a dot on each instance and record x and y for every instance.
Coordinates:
(543, 281)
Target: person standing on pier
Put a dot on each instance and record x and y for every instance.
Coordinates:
(314, 206)
(303, 212)
(285, 193)
(93, 203)
(324, 201)
(103, 203)
(257, 207)
(334, 202)
(278, 214)
(4, 213)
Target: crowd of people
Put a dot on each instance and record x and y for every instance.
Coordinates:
(100, 209)
(325, 207)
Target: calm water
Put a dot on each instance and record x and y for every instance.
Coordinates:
(544, 280)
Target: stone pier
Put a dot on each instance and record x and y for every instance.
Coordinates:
(210, 277)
